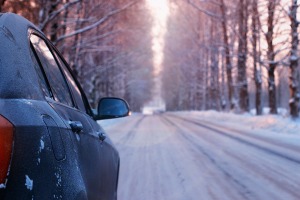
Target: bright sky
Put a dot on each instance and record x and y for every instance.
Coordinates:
(160, 12)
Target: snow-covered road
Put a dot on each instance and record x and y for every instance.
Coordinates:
(168, 157)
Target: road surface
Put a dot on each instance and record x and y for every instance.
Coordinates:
(166, 157)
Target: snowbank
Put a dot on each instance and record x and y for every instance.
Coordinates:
(268, 123)
(273, 123)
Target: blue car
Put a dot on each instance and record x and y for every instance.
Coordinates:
(51, 146)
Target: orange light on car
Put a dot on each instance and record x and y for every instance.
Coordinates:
(6, 143)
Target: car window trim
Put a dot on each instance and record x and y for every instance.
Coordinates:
(53, 48)
(84, 98)
(42, 69)
(58, 56)
(68, 87)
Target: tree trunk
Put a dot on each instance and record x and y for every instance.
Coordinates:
(257, 73)
(294, 85)
(227, 54)
(1, 4)
(242, 53)
(206, 83)
(223, 85)
(64, 26)
(75, 48)
(54, 25)
(271, 58)
(214, 68)
(214, 86)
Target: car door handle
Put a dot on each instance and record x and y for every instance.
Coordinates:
(76, 126)
(101, 136)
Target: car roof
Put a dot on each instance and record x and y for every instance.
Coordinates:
(18, 78)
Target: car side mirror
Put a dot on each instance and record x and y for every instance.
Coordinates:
(111, 107)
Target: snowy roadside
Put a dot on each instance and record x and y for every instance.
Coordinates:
(110, 123)
(268, 123)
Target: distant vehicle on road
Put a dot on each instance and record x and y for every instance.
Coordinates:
(150, 110)
(51, 146)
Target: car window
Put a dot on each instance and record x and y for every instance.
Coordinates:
(58, 84)
(72, 83)
(41, 77)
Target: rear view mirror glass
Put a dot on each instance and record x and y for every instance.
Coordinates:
(110, 107)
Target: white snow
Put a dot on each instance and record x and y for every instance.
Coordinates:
(277, 126)
(28, 182)
(42, 145)
(292, 100)
(293, 58)
(115, 122)
(58, 177)
(168, 157)
(77, 137)
(282, 124)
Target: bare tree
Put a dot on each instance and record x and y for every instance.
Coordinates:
(108, 44)
(214, 88)
(256, 57)
(227, 53)
(1, 4)
(294, 68)
(101, 41)
(271, 57)
(242, 56)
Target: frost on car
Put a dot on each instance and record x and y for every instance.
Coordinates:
(51, 146)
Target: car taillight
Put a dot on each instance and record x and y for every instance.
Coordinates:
(6, 144)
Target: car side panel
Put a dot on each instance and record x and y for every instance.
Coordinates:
(35, 172)
(88, 149)
(110, 166)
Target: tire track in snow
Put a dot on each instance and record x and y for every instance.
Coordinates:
(244, 141)
(150, 168)
(130, 134)
(241, 188)
(289, 188)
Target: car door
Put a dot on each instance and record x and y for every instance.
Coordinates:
(67, 99)
(109, 156)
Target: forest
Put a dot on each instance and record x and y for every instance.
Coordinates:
(232, 55)
(224, 55)
(106, 43)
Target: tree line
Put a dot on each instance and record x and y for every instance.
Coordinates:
(218, 54)
(232, 55)
(106, 43)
